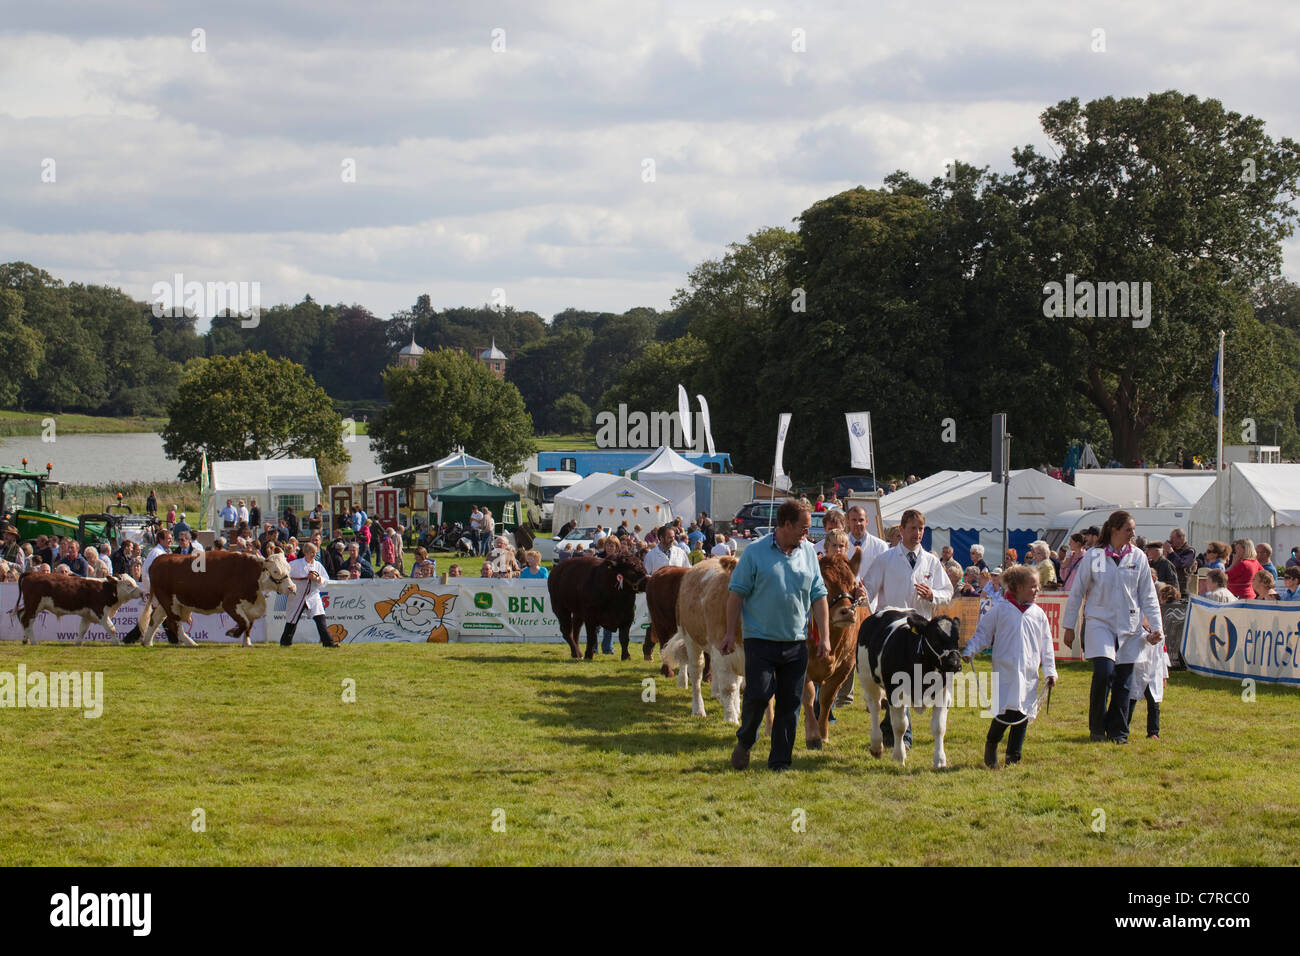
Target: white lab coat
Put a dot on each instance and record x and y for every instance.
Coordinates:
(655, 559)
(1021, 644)
(889, 581)
(298, 571)
(1151, 670)
(1118, 597)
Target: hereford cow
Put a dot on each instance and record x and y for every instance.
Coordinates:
(829, 673)
(904, 656)
(229, 581)
(661, 598)
(598, 592)
(94, 600)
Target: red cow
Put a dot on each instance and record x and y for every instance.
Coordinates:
(596, 592)
(94, 600)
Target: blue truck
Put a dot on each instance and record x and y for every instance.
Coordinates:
(616, 461)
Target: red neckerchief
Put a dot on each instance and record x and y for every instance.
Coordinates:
(1022, 608)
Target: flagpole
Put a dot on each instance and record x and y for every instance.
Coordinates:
(1218, 461)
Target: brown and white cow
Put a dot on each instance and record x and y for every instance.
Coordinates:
(661, 590)
(830, 673)
(182, 584)
(94, 600)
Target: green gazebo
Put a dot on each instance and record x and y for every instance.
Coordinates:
(458, 500)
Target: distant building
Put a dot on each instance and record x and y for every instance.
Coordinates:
(493, 358)
(409, 357)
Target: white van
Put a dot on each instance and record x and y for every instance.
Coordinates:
(1154, 524)
(543, 486)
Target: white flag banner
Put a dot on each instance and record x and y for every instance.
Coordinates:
(783, 426)
(684, 413)
(704, 420)
(859, 439)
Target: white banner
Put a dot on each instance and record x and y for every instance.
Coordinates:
(684, 413)
(704, 420)
(204, 629)
(859, 439)
(782, 426)
(1257, 639)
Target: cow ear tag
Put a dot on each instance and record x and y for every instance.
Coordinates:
(620, 582)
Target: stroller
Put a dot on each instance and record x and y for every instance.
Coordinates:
(449, 536)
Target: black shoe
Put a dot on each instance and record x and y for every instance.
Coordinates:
(1118, 740)
(286, 641)
(991, 755)
(328, 644)
(132, 636)
(1097, 738)
(779, 768)
(739, 757)
(1013, 759)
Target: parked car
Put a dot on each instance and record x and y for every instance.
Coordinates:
(755, 515)
(846, 485)
(566, 546)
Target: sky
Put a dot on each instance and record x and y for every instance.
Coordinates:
(502, 152)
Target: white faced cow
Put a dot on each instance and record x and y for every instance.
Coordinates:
(94, 600)
(906, 659)
(180, 585)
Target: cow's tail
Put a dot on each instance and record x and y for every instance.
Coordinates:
(674, 652)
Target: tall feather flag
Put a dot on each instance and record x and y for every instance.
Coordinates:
(783, 426)
(704, 420)
(684, 413)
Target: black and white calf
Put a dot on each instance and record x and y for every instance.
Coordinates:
(905, 660)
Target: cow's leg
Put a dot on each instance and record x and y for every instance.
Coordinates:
(898, 720)
(938, 727)
(694, 671)
(811, 732)
(593, 631)
(871, 697)
(648, 649)
(111, 628)
(768, 716)
(29, 635)
(567, 622)
(182, 625)
(830, 690)
(624, 636)
(729, 673)
(81, 631)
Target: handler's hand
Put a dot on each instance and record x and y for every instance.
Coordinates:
(1155, 637)
(824, 648)
(965, 660)
(1051, 682)
(1067, 635)
(923, 591)
(728, 642)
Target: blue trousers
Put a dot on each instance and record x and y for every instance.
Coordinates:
(773, 668)
(1113, 679)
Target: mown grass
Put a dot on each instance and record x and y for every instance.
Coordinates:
(564, 442)
(586, 772)
(33, 423)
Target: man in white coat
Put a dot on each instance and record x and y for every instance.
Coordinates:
(872, 548)
(308, 574)
(1021, 638)
(665, 554)
(910, 578)
(1115, 578)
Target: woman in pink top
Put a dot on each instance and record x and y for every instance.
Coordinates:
(1243, 569)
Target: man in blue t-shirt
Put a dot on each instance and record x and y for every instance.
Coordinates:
(776, 584)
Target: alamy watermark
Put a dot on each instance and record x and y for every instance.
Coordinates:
(1098, 300)
(641, 430)
(77, 690)
(936, 689)
(179, 297)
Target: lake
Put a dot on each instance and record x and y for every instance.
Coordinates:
(134, 456)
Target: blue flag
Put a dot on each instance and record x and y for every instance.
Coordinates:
(1214, 383)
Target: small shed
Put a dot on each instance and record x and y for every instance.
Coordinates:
(274, 484)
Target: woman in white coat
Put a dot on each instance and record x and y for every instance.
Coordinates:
(1017, 630)
(1115, 578)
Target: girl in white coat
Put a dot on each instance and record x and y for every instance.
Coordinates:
(1017, 630)
(1150, 674)
(1115, 579)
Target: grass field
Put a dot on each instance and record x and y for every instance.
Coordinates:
(581, 770)
(33, 423)
(564, 442)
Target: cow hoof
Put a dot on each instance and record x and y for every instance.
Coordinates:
(814, 744)
(650, 656)
(877, 752)
(626, 656)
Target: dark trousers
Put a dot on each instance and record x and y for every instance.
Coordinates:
(1112, 678)
(1153, 714)
(773, 668)
(1016, 739)
(287, 637)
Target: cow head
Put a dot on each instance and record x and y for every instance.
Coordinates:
(629, 571)
(938, 642)
(841, 576)
(275, 575)
(127, 589)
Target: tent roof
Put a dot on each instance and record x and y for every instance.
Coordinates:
(474, 488)
(971, 500)
(1175, 490)
(599, 483)
(278, 474)
(458, 459)
(1254, 496)
(665, 461)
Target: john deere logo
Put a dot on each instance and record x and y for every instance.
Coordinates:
(1217, 640)
(483, 600)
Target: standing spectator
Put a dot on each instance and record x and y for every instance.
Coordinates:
(243, 512)
(229, 515)
(820, 507)
(476, 528)
(151, 504)
(666, 555)
(489, 527)
(1294, 560)
(1243, 570)
(11, 550)
(1162, 566)
(254, 514)
(316, 519)
(1071, 563)
(387, 551)
(776, 586)
(1264, 555)
(291, 519)
(705, 525)
(76, 564)
(1116, 583)
(719, 547)
(181, 526)
(171, 517)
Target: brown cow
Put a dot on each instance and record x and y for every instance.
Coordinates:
(831, 672)
(661, 600)
(596, 592)
(94, 600)
(180, 584)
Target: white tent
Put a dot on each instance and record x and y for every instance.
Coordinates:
(608, 499)
(1260, 502)
(1174, 491)
(669, 474)
(274, 484)
(965, 508)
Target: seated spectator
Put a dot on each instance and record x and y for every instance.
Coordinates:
(1218, 581)
(719, 547)
(696, 555)
(1216, 552)
(1263, 584)
(502, 558)
(454, 571)
(343, 575)
(970, 585)
(62, 568)
(357, 564)
(486, 570)
(388, 572)
(1264, 555)
(1011, 558)
(533, 569)
(977, 556)
(1290, 590)
(993, 587)
(423, 567)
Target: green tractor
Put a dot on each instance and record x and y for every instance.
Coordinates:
(25, 502)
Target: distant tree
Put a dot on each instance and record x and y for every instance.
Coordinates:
(451, 399)
(572, 415)
(354, 356)
(21, 350)
(545, 370)
(247, 407)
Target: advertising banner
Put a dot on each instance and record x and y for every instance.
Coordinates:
(1257, 639)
